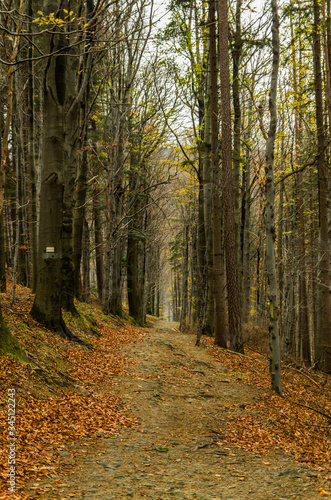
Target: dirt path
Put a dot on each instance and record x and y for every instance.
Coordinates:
(182, 398)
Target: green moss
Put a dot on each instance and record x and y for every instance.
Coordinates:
(9, 345)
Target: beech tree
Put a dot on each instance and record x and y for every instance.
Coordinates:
(275, 369)
(63, 93)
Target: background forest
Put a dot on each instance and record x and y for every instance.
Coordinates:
(170, 163)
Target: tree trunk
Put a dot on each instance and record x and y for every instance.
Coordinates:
(3, 257)
(72, 131)
(184, 309)
(236, 342)
(47, 304)
(208, 321)
(236, 56)
(245, 231)
(280, 256)
(32, 177)
(112, 292)
(74, 242)
(323, 352)
(275, 369)
(304, 338)
(3, 282)
(135, 240)
(78, 227)
(86, 285)
(220, 330)
(133, 285)
(98, 240)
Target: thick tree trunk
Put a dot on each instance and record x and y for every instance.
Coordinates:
(220, 330)
(275, 369)
(236, 342)
(324, 351)
(47, 304)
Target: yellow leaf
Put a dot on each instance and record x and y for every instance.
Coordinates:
(39, 12)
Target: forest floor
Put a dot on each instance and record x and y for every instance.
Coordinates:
(147, 414)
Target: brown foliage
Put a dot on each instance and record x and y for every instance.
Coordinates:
(67, 398)
(298, 423)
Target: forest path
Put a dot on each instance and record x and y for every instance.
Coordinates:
(181, 397)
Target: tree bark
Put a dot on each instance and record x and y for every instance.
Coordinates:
(324, 351)
(236, 56)
(98, 240)
(275, 368)
(47, 304)
(3, 281)
(208, 320)
(236, 342)
(86, 284)
(184, 309)
(32, 177)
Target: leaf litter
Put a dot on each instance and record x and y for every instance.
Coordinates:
(66, 394)
(69, 397)
(299, 423)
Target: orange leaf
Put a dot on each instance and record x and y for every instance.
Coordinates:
(323, 492)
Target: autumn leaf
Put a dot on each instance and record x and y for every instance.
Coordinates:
(322, 492)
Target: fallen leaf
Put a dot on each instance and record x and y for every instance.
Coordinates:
(322, 492)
